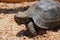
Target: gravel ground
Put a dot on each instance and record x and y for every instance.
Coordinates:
(9, 28)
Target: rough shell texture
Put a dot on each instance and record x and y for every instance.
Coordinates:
(45, 13)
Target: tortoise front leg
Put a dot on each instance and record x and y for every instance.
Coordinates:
(31, 28)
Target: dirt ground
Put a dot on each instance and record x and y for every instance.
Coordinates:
(9, 28)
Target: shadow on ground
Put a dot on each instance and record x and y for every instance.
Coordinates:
(40, 31)
(16, 10)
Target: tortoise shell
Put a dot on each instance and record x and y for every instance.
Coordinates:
(45, 14)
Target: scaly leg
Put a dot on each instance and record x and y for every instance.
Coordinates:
(31, 28)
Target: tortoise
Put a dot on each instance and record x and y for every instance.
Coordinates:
(44, 14)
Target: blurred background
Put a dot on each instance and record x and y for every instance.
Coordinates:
(20, 0)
